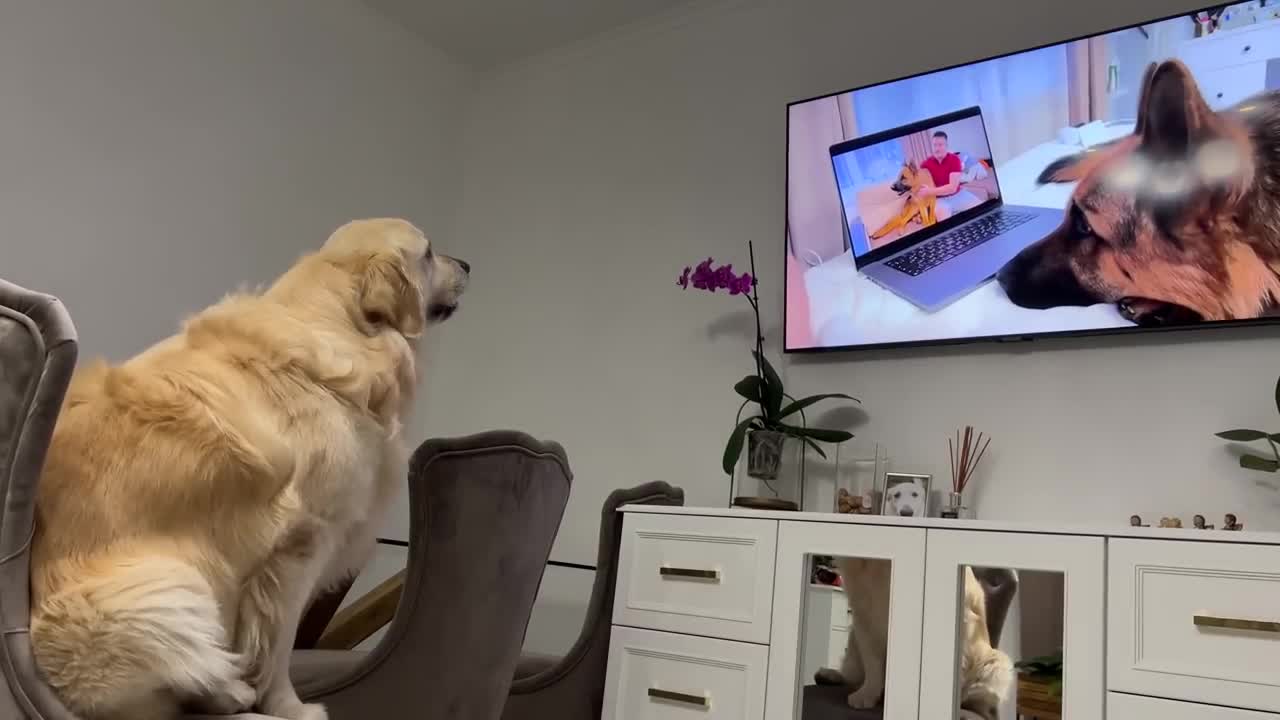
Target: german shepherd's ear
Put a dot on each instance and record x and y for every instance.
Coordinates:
(388, 297)
(1075, 167)
(1173, 115)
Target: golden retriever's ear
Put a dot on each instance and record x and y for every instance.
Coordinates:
(387, 296)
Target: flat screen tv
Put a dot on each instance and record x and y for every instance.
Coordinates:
(1127, 181)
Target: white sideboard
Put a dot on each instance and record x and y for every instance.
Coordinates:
(709, 621)
(1231, 65)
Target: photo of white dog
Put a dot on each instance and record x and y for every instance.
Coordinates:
(905, 495)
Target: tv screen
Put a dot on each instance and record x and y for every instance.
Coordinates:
(1122, 182)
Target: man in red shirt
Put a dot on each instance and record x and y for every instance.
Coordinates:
(945, 168)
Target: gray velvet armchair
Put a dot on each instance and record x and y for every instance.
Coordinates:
(572, 687)
(37, 358)
(485, 511)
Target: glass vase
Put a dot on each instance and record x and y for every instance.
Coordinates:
(860, 469)
(770, 474)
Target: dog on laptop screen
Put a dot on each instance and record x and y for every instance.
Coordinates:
(1177, 223)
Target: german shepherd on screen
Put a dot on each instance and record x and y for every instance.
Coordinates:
(1177, 223)
(910, 178)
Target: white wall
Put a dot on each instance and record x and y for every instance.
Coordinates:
(595, 173)
(155, 155)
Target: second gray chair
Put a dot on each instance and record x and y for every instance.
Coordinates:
(485, 511)
(572, 687)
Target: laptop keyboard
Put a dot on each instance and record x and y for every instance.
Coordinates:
(956, 242)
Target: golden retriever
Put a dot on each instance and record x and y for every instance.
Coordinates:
(197, 496)
(986, 673)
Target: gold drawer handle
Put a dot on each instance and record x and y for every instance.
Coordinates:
(1209, 621)
(700, 700)
(689, 573)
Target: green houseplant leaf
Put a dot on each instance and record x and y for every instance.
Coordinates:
(1242, 435)
(820, 434)
(1278, 395)
(1253, 462)
(733, 450)
(772, 391)
(798, 405)
(749, 388)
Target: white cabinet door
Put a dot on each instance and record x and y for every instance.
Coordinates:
(664, 676)
(1081, 561)
(903, 549)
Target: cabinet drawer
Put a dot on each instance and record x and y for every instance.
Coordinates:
(664, 676)
(1224, 88)
(1134, 707)
(1229, 50)
(697, 575)
(1195, 621)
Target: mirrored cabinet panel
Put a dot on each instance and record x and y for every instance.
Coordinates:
(1011, 627)
(846, 640)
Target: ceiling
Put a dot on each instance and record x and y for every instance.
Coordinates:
(488, 33)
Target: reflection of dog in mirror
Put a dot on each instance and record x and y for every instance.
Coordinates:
(911, 178)
(1176, 223)
(986, 673)
(908, 498)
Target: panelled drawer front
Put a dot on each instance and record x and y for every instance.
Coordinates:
(1195, 621)
(663, 676)
(1224, 88)
(1230, 50)
(697, 575)
(1135, 707)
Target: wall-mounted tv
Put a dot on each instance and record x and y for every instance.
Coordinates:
(1122, 182)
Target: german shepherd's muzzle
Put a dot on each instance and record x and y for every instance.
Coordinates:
(1177, 223)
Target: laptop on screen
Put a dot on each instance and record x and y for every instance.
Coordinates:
(923, 210)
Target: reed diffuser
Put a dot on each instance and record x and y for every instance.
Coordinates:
(966, 452)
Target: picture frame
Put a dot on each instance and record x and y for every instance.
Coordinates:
(906, 495)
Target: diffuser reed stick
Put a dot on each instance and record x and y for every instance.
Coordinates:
(965, 454)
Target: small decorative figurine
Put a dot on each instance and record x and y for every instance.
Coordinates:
(1170, 522)
(847, 503)
(1230, 523)
(1198, 523)
(1136, 521)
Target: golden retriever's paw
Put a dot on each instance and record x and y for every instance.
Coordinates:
(865, 698)
(828, 676)
(300, 711)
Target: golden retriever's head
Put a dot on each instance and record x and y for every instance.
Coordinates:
(401, 282)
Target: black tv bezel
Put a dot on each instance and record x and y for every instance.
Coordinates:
(977, 339)
(911, 240)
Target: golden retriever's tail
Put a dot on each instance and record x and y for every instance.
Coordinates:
(139, 633)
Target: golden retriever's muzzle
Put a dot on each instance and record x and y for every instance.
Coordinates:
(444, 299)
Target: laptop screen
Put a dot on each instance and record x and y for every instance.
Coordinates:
(900, 186)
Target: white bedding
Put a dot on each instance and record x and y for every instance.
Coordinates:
(848, 309)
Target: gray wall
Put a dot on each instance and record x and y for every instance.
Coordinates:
(596, 172)
(155, 155)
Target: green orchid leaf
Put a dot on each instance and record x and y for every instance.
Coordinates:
(733, 450)
(1278, 394)
(772, 391)
(1242, 435)
(749, 388)
(820, 434)
(1253, 462)
(799, 405)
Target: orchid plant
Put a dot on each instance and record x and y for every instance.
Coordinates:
(764, 388)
